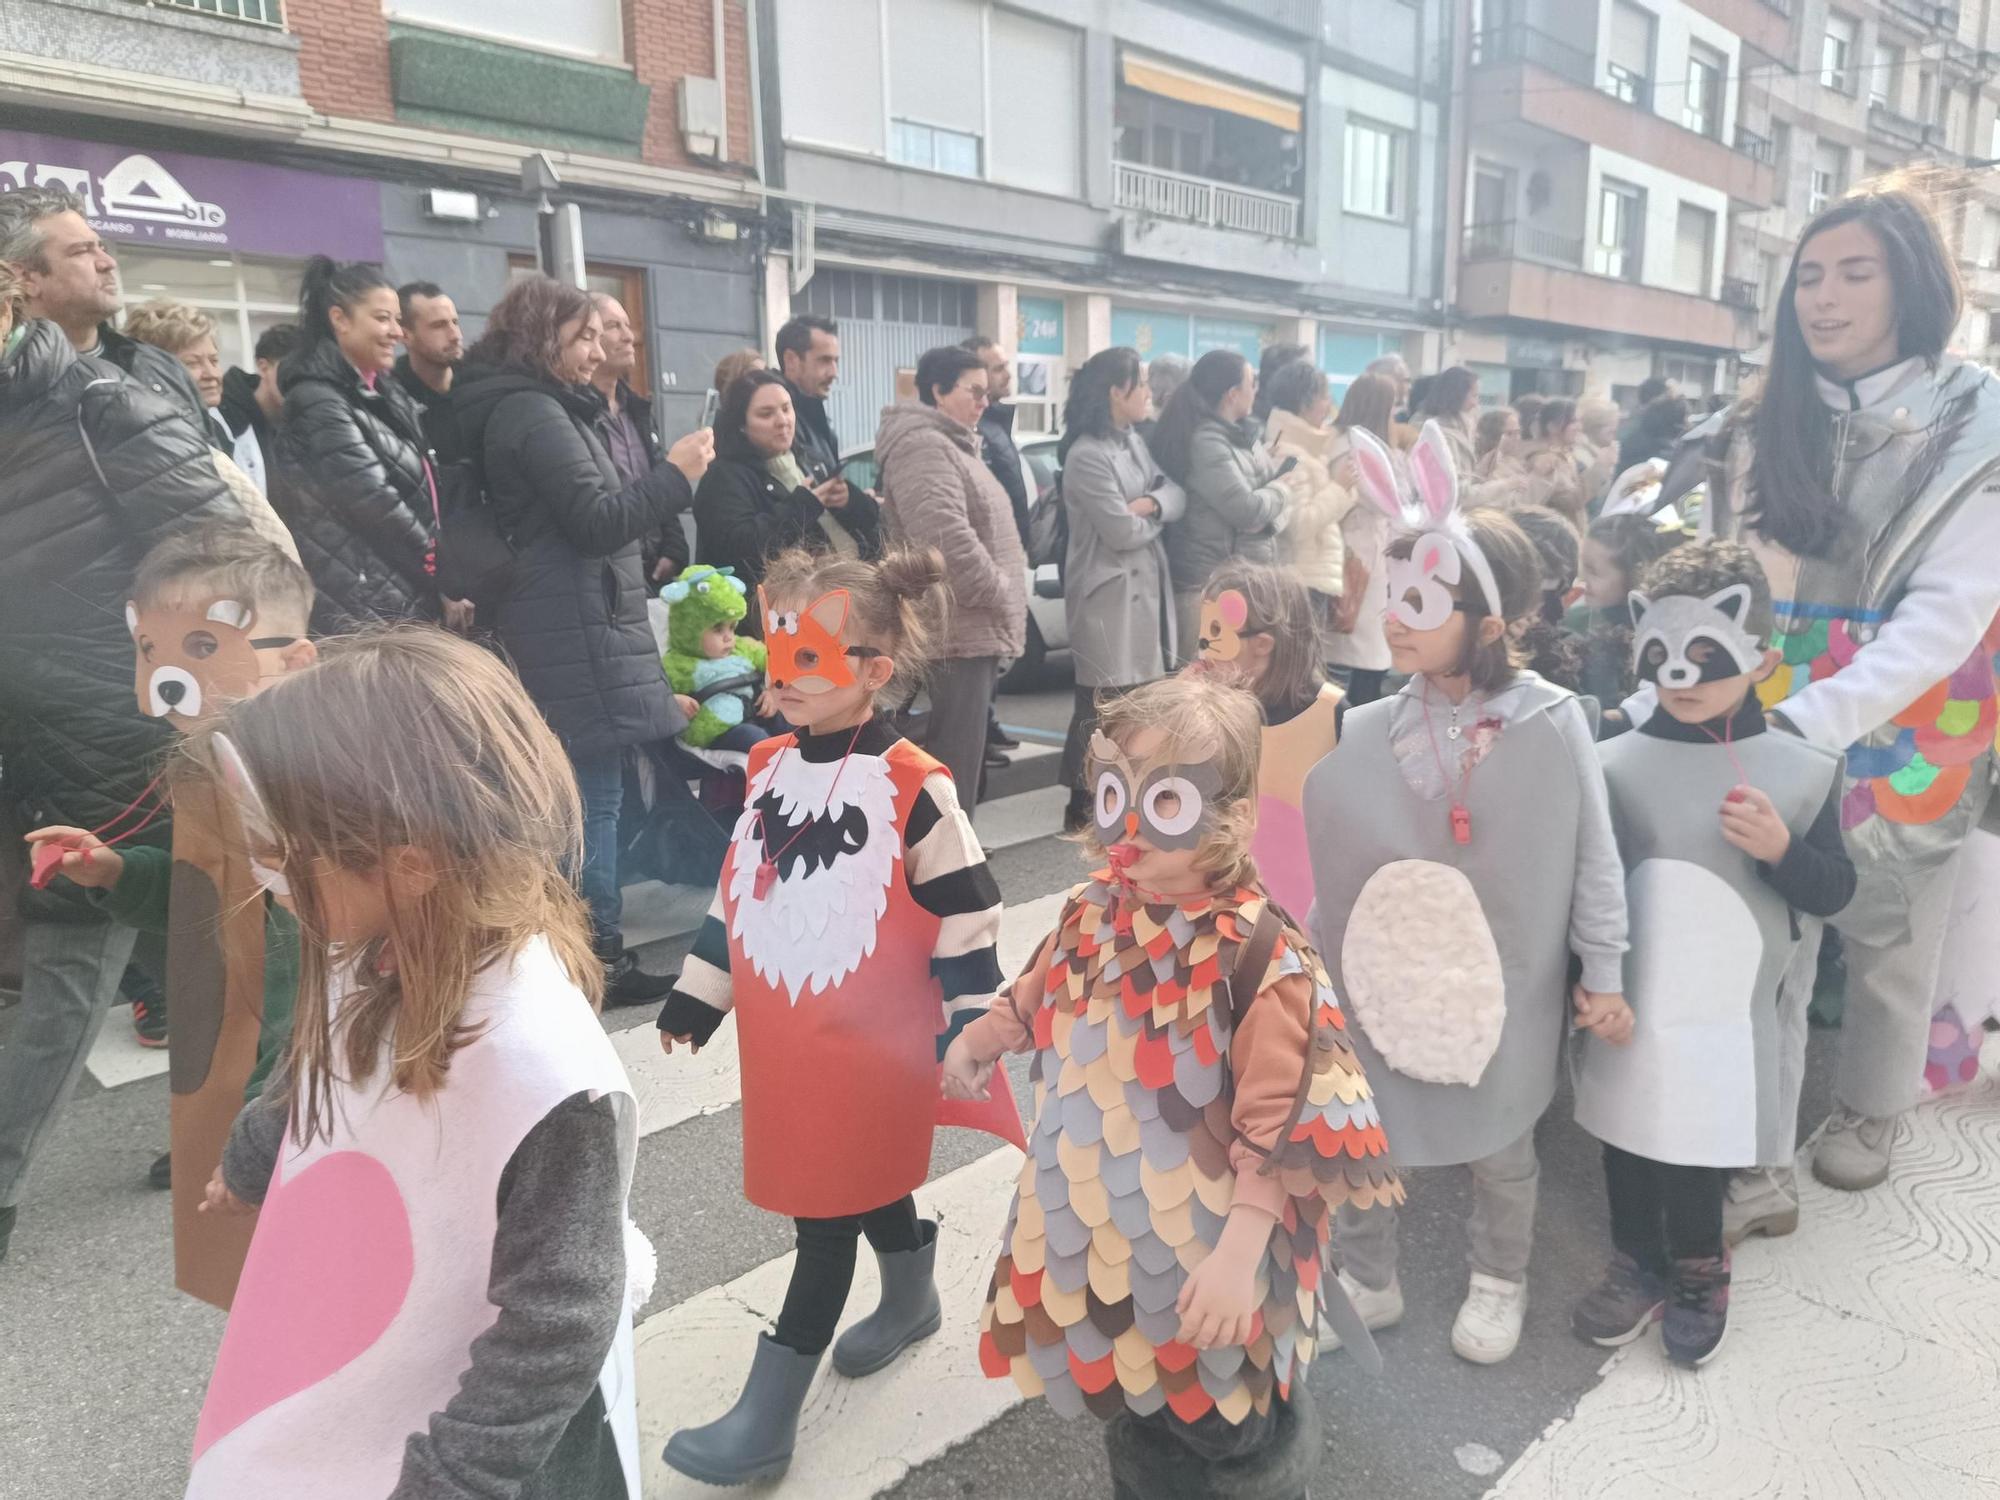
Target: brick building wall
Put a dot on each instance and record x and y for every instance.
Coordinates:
(667, 40)
(343, 56)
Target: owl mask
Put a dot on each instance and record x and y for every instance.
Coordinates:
(1416, 588)
(1666, 631)
(1174, 804)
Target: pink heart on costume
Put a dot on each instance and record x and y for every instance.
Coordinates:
(327, 1272)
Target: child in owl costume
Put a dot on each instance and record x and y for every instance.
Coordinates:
(707, 660)
(1200, 1113)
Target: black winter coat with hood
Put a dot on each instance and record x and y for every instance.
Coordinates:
(97, 470)
(350, 482)
(573, 617)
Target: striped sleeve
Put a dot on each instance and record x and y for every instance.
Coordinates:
(704, 993)
(949, 878)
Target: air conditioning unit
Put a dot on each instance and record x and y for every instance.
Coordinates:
(701, 116)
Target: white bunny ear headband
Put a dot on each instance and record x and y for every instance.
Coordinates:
(1416, 585)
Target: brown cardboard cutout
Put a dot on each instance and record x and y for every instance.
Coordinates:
(190, 660)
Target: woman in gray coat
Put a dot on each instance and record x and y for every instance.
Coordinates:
(1238, 497)
(1117, 595)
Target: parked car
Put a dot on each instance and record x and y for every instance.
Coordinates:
(1048, 627)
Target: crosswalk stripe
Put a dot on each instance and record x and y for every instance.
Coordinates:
(856, 1437)
(116, 1058)
(673, 1089)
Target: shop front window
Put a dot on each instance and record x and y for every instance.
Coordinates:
(244, 295)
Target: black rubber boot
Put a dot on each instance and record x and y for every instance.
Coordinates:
(909, 1309)
(6, 1227)
(753, 1440)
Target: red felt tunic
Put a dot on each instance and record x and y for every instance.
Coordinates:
(840, 1089)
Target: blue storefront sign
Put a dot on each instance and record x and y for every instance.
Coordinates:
(1041, 325)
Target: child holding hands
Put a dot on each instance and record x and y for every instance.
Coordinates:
(1462, 850)
(1199, 1113)
(1729, 833)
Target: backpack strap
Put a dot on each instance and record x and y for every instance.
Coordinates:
(1252, 960)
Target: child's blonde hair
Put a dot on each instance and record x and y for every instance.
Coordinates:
(1280, 605)
(1203, 720)
(897, 605)
(410, 738)
(227, 558)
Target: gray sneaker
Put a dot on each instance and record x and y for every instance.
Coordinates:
(1762, 1200)
(1853, 1151)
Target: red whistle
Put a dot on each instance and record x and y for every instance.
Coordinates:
(46, 862)
(1461, 826)
(1738, 794)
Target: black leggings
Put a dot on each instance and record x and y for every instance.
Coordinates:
(824, 1271)
(1661, 1212)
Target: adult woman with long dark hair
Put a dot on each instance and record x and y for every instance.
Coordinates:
(1117, 590)
(1866, 477)
(573, 613)
(756, 499)
(1237, 503)
(351, 479)
(1356, 645)
(1453, 403)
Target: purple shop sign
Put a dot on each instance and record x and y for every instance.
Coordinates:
(171, 201)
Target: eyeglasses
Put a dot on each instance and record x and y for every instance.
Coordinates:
(979, 394)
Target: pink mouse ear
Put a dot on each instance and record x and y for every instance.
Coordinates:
(1435, 474)
(1377, 474)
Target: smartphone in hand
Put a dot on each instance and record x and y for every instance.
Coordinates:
(711, 403)
(1291, 462)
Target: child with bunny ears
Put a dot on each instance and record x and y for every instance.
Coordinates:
(1462, 850)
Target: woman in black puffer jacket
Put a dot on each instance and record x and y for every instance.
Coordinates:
(352, 479)
(572, 615)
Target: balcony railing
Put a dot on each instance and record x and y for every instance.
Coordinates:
(1299, 17)
(1756, 147)
(1740, 293)
(1782, 7)
(1510, 239)
(257, 12)
(1932, 17)
(1901, 129)
(1524, 44)
(1197, 200)
(1622, 84)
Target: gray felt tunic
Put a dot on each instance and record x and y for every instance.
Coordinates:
(1453, 958)
(1711, 937)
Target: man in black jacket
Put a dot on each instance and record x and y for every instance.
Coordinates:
(629, 434)
(433, 344)
(108, 469)
(1003, 459)
(253, 406)
(72, 280)
(809, 360)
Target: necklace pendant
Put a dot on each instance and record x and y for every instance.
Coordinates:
(1461, 826)
(766, 877)
(1453, 732)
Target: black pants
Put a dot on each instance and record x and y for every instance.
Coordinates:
(1364, 685)
(1082, 722)
(1271, 1457)
(824, 1271)
(1661, 1212)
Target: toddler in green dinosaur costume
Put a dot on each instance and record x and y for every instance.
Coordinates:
(707, 660)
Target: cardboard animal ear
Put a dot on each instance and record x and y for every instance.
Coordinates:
(231, 612)
(829, 612)
(131, 620)
(764, 607)
(1376, 473)
(1435, 474)
(1640, 604)
(1733, 601)
(1233, 607)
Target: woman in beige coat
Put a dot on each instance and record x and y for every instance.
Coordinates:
(1298, 429)
(1554, 478)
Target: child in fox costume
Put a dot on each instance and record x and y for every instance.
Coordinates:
(854, 926)
(1200, 1113)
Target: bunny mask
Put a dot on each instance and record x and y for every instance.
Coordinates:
(1666, 631)
(1416, 590)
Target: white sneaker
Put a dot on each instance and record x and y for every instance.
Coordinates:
(1489, 1325)
(1762, 1200)
(1853, 1151)
(1378, 1309)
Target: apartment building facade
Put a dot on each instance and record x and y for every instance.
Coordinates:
(1865, 90)
(1174, 175)
(220, 142)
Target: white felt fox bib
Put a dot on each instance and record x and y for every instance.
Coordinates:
(367, 1280)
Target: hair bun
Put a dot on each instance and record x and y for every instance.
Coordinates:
(912, 572)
